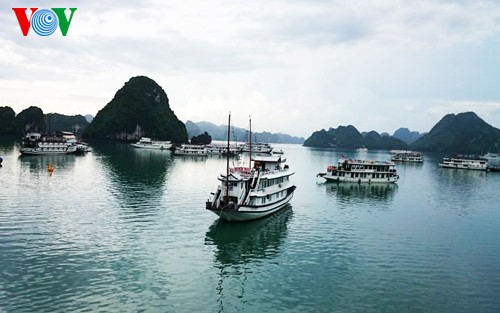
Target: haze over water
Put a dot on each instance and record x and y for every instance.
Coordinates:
(123, 229)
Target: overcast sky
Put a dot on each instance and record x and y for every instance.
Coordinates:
(295, 66)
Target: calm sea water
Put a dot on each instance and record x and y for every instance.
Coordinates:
(125, 230)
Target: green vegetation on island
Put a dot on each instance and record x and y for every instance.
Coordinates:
(464, 133)
(7, 120)
(139, 109)
(30, 120)
(33, 119)
(203, 139)
(58, 122)
(350, 137)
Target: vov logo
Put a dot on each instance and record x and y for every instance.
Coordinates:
(44, 22)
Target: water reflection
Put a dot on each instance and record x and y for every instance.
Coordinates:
(246, 242)
(7, 144)
(137, 176)
(349, 193)
(460, 190)
(40, 163)
(242, 245)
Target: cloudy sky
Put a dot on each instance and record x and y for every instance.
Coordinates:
(295, 66)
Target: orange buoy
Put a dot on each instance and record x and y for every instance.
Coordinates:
(50, 169)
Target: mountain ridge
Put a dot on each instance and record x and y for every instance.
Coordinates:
(219, 132)
(460, 133)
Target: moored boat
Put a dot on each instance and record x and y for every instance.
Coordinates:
(256, 147)
(493, 161)
(38, 144)
(147, 143)
(407, 156)
(361, 171)
(81, 147)
(248, 193)
(466, 164)
(192, 150)
(221, 149)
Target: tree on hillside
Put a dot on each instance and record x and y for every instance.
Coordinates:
(203, 139)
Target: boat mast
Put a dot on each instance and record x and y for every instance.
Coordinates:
(250, 141)
(227, 158)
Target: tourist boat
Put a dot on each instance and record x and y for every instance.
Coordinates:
(394, 151)
(362, 149)
(467, 164)
(492, 158)
(248, 193)
(493, 161)
(221, 149)
(81, 147)
(147, 143)
(280, 151)
(38, 144)
(256, 147)
(361, 171)
(407, 156)
(193, 150)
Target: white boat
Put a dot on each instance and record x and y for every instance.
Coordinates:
(38, 144)
(467, 164)
(391, 152)
(362, 149)
(248, 193)
(407, 156)
(256, 147)
(221, 149)
(495, 157)
(493, 161)
(81, 147)
(147, 143)
(361, 171)
(193, 150)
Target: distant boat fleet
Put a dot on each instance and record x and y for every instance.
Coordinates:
(206, 150)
